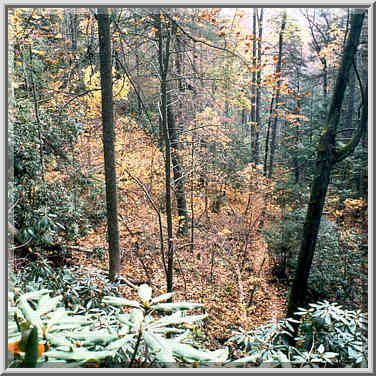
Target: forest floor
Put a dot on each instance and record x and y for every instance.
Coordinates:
(228, 269)
(218, 283)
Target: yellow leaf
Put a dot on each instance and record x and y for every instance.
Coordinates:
(226, 231)
(40, 53)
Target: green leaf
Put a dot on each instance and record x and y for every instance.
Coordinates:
(176, 319)
(58, 340)
(79, 354)
(98, 337)
(220, 355)
(29, 313)
(137, 316)
(31, 350)
(69, 322)
(47, 304)
(168, 330)
(330, 355)
(242, 361)
(35, 294)
(125, 319)
(282, 357)
(55, 317)
(160, 349)
(162, 297)
(116, 345)
(166, 320)
(124, 330)
(171, 307)
(120, 302)
(145, 292)
(44, 222)
(190, 353)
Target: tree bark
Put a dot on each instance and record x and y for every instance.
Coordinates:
(177, 166)
(179, 178)
(278, 70)
(327, 156)
(297, 128)
(164, 38)
(258, 85)
(253, 92)
(108, 141)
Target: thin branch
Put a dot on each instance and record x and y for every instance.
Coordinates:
(147, 194)
(359, 80)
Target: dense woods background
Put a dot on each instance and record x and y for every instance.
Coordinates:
(216, 156)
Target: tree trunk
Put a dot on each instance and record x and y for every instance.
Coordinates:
(177, 166)
(267, 139)
(258, 85)
(297, 128)
(278, 70)
(108, 141)
(327, 156)
(350, 107)
(253, 93)
(179, 178)
(164, 38)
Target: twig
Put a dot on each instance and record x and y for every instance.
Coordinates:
(136, 348)
(79, 249)
(135, 250)
(256, 285)
(147, 194)
(20, 246)
(13, 206)
(182, 273)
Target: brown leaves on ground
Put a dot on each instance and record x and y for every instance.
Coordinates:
(228, 268)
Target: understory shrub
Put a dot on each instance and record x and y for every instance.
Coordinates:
(81, 289)
(329, 336)
(144, 337)
(336, 264)
(45, 329)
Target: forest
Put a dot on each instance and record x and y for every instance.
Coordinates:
(187, 187)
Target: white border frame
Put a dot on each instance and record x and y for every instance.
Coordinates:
(208, 4)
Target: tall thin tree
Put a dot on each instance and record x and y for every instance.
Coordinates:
(277, 93)
(327, 156)
(109, 140)
(164, 39)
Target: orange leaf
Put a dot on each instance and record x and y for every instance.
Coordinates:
(41, 349)
(13, 347)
